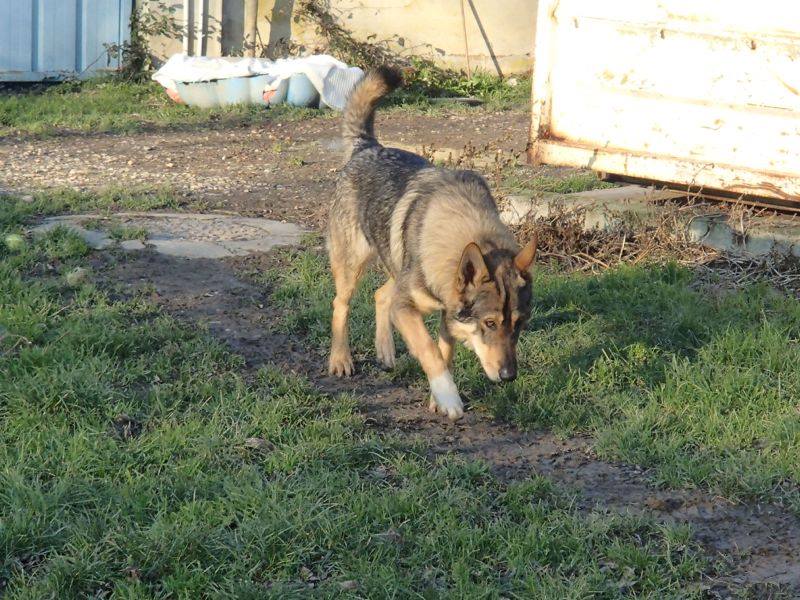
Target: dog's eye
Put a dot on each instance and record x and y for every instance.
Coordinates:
(490, 324)
(463, 316)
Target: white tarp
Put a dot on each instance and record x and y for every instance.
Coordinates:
(332, 78)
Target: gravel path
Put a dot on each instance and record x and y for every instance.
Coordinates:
(279, 170)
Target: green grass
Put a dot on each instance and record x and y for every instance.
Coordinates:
(702, 387)
(112, 105)
(495, 92)
(67, 200)
(126, 472)
(522, 180)
(121, 233)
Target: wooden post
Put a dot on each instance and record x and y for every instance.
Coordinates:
(251, 27)
(466, 38)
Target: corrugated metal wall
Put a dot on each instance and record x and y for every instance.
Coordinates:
(44, 39)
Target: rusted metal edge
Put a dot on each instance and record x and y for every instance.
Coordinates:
(712, 195)
(622, 164)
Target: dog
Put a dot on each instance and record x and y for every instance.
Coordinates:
(438, 235)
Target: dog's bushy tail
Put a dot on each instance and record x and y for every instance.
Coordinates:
(359, 114)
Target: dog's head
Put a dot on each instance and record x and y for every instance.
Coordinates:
(494, 292)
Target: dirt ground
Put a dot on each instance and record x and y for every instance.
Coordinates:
(280, 170)
(285, 171)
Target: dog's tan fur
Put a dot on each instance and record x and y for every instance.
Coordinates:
(438, 235)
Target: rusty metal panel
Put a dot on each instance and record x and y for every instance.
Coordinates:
(699, 93)
(53, 39)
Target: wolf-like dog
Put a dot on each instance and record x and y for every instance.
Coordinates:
(438, 234)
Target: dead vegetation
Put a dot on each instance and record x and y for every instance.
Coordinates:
(565, 239)
(493, 162)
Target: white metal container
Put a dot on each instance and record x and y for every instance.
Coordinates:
(52, 39)
(701, 93)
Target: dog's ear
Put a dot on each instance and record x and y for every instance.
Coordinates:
(472, 268)
(525, 257)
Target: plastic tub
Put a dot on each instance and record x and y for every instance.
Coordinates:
(224, 92)
(302, 92)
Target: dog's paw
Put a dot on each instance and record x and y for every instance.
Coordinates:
(453, 413)
(340, 365)
(384, 348)
(432, 406)
(445, 398)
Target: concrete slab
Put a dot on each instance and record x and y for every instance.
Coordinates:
(187, 235)
(254, 246)
(132, 245)
(191, 249)
(602, 208)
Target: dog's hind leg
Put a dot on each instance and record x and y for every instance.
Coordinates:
(349, 257)
(384, 342)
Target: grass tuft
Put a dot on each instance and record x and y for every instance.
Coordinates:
(15, 212)
(121, 233)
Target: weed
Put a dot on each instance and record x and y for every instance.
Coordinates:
(149, 19)
(14, 212)
(526, 180)
(94, 224)
(116, 231)
(109, 199)
(428, 79)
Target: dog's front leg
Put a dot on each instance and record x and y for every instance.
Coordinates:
(446, 343)
(445, 396)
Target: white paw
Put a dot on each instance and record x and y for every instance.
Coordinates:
(445, 398)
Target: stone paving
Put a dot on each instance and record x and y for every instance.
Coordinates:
(187, 235)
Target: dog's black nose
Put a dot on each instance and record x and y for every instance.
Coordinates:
(508, 373)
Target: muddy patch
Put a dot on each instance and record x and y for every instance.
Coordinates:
(759, 545)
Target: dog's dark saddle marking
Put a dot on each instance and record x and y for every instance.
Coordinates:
(381, 177)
